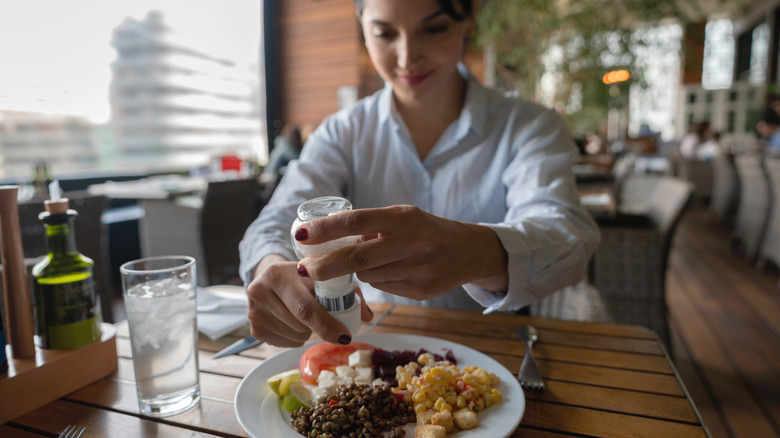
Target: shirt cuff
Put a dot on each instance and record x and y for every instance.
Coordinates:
(519, 264)
(248, 266)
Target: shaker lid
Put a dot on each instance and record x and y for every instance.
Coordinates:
(322, 207)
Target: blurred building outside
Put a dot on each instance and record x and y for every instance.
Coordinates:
(70, 143)
(173, 105)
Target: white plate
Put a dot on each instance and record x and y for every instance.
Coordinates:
(257, 407)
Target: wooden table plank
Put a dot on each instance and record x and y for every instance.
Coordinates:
(529, 432)
(610, 377)
(653, 383)
(507, 323)
(616, 400)
(210, 414)
(546, 335)
(591, 422)
(56, 416)
(7, 431)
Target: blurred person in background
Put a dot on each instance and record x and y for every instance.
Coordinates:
(287, 147)
(464, 198)
(768, 128)
(690, 143)
(711, 147)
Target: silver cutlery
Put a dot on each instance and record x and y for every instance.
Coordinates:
(529, 375)
(72, 432)
(238, 346)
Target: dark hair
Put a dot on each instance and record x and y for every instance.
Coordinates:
(448, 6)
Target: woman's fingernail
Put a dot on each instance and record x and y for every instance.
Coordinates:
(301, 234)
(302, 271)
(344, 339)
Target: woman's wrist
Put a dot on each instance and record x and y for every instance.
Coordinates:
(265, 262)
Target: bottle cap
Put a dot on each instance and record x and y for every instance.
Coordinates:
(322, 207)
(59, 206)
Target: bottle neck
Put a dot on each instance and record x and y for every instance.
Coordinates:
(60, 238)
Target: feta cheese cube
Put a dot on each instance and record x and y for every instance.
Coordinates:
(360, 358)
(328, 381)
(319, 394)
(345, 372)
(379, 382)
(364, 375)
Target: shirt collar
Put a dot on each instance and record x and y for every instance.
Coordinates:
(474, 112)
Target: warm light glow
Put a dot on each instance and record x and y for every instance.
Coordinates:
(616, 76)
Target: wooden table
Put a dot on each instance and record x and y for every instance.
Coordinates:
(602, 380)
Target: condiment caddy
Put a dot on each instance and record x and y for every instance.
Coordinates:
(37, 376)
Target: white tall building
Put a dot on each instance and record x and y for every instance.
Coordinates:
(174, 106)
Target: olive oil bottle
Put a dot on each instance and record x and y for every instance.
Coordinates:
(67, 307)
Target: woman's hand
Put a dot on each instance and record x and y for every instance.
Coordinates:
(283, 310)
(406, 251)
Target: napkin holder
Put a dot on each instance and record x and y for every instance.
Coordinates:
(36, 376)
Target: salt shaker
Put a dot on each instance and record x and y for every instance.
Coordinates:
(336, 295)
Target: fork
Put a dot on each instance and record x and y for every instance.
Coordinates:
(72, 432)
(529, 376)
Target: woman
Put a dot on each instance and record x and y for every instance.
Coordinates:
(287, 147)
(464, 198)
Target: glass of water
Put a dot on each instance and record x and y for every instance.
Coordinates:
(159, 295)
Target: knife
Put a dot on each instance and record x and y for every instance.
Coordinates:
(239, 346)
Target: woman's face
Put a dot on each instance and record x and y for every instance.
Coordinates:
(415, 46)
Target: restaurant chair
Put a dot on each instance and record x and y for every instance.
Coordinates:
(91, 239)
(699, 173)
(725, 188)
(753, 209)
(207, 227)
(770, 247)
(628, 271)
(228, 209)
(629, 267)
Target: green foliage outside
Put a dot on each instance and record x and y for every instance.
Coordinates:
(571, 44)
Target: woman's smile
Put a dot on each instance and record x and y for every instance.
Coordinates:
(414, 79)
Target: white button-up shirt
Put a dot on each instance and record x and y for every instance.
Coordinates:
(504, 163)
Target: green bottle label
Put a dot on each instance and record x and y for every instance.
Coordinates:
(68, 315)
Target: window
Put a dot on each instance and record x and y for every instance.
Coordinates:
(718, 54)
(130, 65)
(759, 54)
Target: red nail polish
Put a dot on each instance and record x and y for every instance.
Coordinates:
(344, 339)
(301, 234)
(302, 271)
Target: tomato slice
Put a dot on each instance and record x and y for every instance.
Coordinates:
(327, 356)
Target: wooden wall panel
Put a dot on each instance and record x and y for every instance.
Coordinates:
(320, 44)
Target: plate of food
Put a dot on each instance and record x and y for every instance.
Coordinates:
(480, 396)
